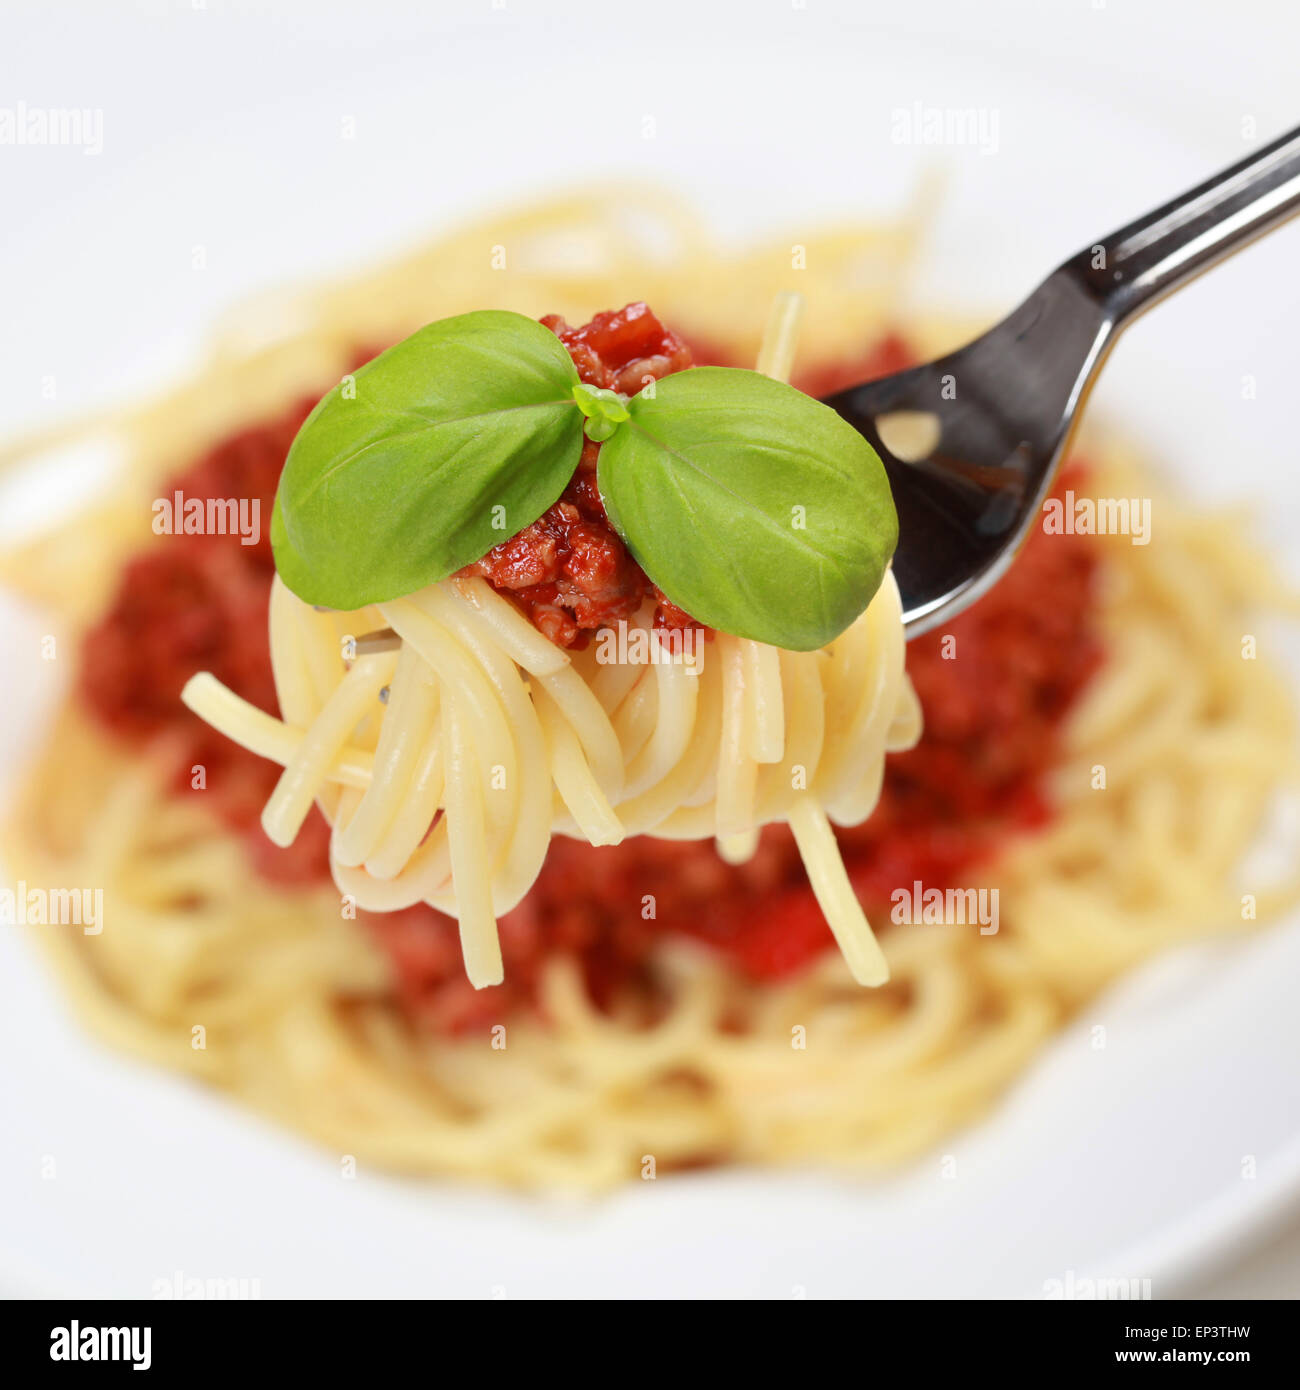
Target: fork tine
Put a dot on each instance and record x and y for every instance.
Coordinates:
(382, 639)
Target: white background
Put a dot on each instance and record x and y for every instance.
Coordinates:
(224, 128)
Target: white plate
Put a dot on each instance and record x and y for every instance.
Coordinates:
(223, 130)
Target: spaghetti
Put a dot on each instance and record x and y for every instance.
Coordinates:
(297, 1006)
(492, 739)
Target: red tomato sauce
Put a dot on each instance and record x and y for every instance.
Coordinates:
(570, 571)
(995, 687)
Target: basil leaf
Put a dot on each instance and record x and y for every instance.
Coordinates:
(290, 566)
(756, 509)
(439, 449)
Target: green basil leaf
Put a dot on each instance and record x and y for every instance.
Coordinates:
(439, 449)
(290, 566)
(756, 509)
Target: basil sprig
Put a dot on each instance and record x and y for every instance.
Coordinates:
(754, 508)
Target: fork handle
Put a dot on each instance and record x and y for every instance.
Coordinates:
(1138, 265)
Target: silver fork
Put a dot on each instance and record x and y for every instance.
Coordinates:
(972, 441)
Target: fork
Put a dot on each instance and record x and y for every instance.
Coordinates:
(972, 441)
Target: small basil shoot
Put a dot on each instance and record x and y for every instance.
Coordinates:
(754, 508)
(605, 410)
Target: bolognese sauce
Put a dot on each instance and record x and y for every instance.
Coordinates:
(570, 571)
